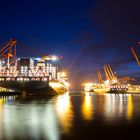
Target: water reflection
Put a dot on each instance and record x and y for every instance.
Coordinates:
(31, 121)
(43, 118)
(120, 103)
(1, 109)
(129, 107)
(64, 112)
(51, 128)
(87, 107)
(109, 108)
(4, 112)
(117, 105)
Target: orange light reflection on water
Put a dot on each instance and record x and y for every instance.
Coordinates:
(129, 107)
(87, 107)
(1, 104)
(64, 111)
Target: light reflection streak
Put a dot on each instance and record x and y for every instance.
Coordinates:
(114, 106)
(51, 125)
(3, 99)
(120, 104)
(108, 105)
(117, 105)
(129, 107)
(5, 121)
(113, 100)
(87, 107)
(34, 122)
(1, 107)
(64, 112)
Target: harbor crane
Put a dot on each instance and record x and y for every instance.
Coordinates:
(8, 53)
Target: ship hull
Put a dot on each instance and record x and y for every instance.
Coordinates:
(118, 90)
(34, 87)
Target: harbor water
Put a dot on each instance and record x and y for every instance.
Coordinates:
(74, 115)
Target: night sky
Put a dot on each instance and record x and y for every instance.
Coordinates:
(87, 33)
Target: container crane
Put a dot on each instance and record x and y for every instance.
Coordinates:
(8, 53)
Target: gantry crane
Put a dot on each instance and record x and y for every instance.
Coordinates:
(8, 53)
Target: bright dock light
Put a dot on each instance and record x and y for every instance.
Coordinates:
(54, 58)
(63, 74)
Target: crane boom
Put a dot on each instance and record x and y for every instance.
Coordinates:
(109, 74)
(99, 76)
(135, 55)
(106, 73)
(111, 71)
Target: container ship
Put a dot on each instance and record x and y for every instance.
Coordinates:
(33, 75)
(108, 88)
(112, 84)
